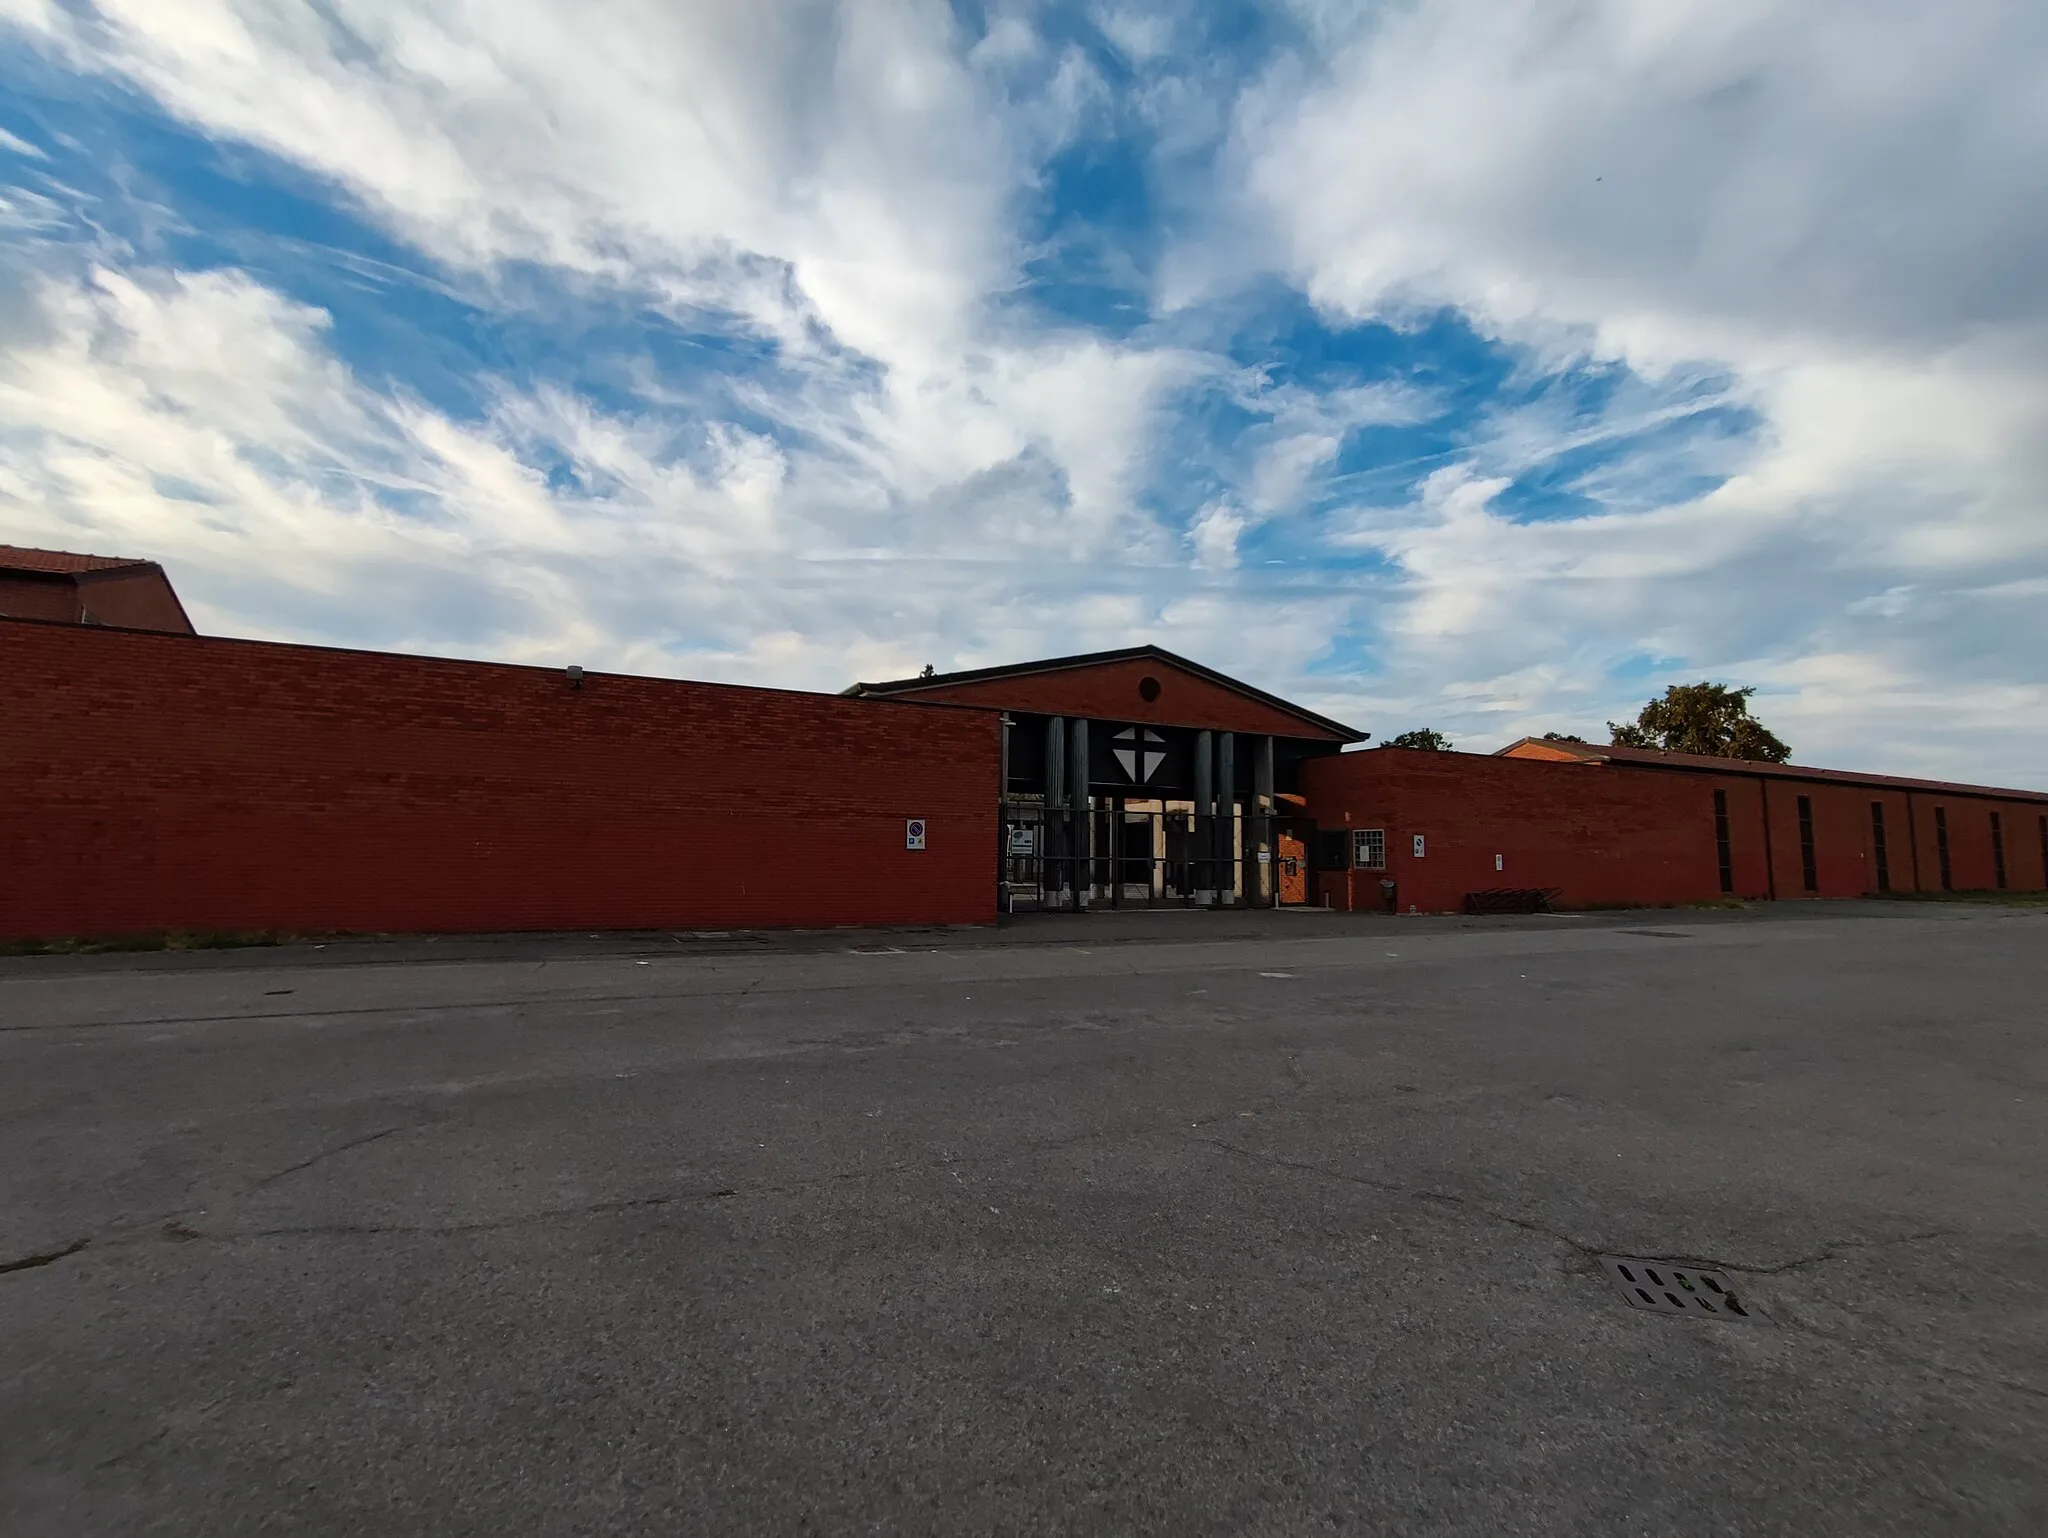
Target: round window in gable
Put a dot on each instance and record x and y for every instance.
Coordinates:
(1148, 688)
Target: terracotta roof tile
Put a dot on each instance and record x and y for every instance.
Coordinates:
(61, 562)
(1600, 752)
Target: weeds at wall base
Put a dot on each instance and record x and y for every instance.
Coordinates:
(164, 940)
(1718, 903)
(1991, 898)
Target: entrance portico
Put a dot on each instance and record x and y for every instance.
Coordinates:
(1139, 777)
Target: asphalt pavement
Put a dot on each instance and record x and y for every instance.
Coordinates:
(1180, 1223)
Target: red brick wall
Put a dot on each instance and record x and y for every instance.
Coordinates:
(52, 598)
(1972, 866)
(1841, 839)
(131, 599)
(1109, 692)
(1639, 834)
(1596, 834)
(166, 782)
(1845, 840)
(135, 600)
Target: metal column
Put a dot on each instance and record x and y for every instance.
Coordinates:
(1052, 836)
(1083, 822)
(1003, 819)
(1226, 817)
(1263, 838)
(1202, 837)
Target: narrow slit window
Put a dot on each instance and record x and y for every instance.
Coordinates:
(1877, 848)
(1998, 850)
(1941, 847)
(1809, 870)
(1723, 848)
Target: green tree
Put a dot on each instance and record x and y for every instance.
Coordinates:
(1710, 719)
(1562, 737)
(1422, 737)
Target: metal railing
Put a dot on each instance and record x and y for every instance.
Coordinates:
(1108, 856)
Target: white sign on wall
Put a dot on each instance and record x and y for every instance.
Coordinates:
(1418, 846)
(913, 833)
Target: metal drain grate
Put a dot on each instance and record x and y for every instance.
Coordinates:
(1667, 1289)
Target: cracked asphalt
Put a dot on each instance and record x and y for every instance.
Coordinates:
(1265, 1224)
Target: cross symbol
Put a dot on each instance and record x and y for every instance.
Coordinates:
(1140, 751)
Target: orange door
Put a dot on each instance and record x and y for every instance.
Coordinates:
(1293, 869)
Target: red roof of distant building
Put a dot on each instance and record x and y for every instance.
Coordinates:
(1600, 752)
(70, 588)
(61, 562)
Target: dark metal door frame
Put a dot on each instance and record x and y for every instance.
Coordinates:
(1109, 855)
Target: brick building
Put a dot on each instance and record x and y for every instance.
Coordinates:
(1591, 825)
(152, 779)
(1138, 777)
(154, 782)
(88, 590)
(1200, 789)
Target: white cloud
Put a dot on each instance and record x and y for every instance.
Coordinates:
(202, 419)
(20, 146)
(1214, 535)
(37, 15)
(1140, 36)
(26, 212)
(839, 176)
(199, 418)
(1694, 178)
(804, 165)
(1304, 433)
(624, 139)
(1916, 680)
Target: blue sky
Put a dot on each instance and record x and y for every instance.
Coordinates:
(1481, 364)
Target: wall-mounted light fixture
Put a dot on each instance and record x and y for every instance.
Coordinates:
(575, 676)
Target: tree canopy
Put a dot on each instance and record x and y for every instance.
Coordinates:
(1705, 718)
(1423, 737)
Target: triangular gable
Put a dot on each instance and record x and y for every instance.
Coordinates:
(1145, 686)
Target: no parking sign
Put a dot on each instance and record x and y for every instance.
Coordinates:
(913, 833)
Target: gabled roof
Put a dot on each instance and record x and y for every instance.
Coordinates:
(1602, 753)
(122, 591)
(62, 563)
(1324, 726)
